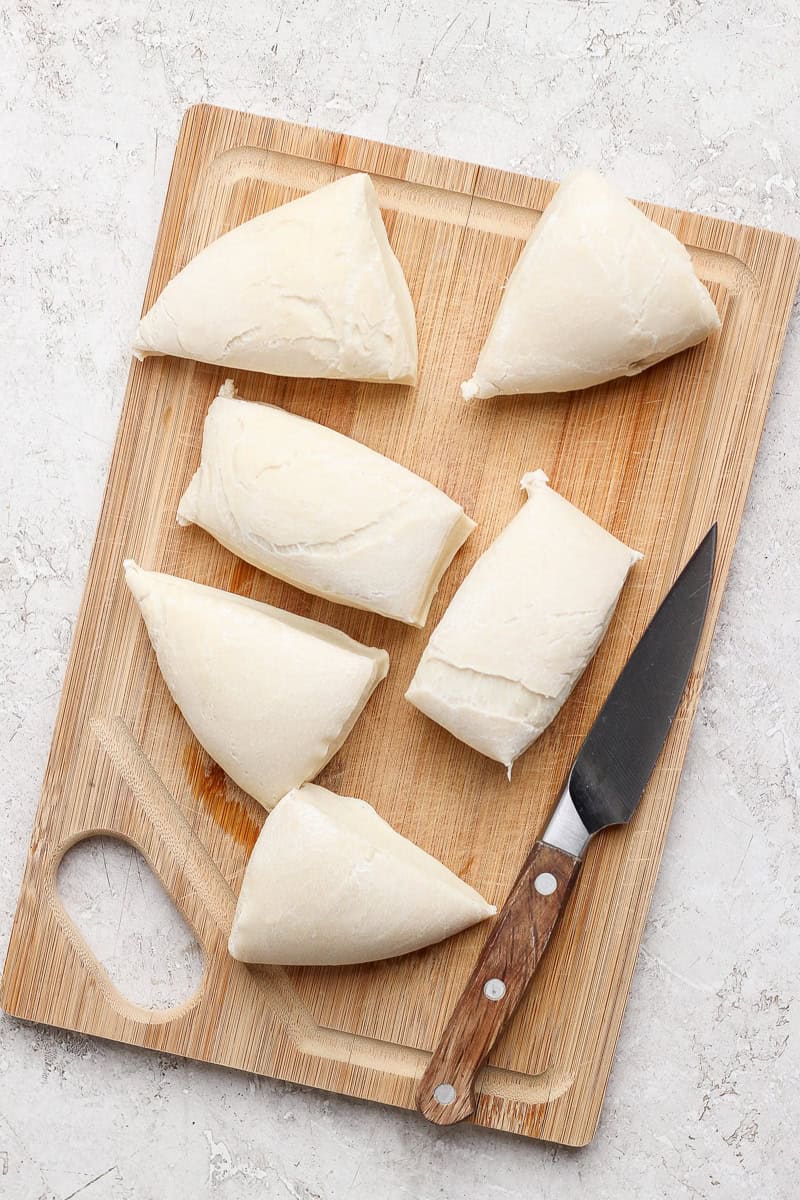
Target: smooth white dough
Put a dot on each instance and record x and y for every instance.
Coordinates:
(311, 289)
(523, 625)
(599, 291)
(322, 511)
(330, 882)
(270, 696)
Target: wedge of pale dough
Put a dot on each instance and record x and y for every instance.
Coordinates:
(523, 625)
(309, 289)
(329, 882)
(599, 291)
(322, 511)
(269, 695)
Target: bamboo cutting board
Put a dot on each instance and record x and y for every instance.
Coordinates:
(655, 459)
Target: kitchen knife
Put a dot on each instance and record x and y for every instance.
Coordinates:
(604, 787)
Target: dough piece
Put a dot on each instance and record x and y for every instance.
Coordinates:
(523, 625)
(321, 511)
(599, 291)
(269, 695)
(310, 289)
(330, 882)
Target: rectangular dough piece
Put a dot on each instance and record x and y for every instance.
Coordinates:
(322, 511)
(522, 627)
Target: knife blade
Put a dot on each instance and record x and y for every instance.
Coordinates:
(603, 788)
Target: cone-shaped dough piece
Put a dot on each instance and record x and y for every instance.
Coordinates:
(322, 511)
(523, 625)
(310, 289)
(599, 291)
(329, 882)
(269, 695)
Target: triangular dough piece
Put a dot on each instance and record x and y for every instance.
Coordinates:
(270, 696)
(599, 291)
(330, 882)
(311, 289)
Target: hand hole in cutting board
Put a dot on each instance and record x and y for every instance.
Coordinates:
(129, 923)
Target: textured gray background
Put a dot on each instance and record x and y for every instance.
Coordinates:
(690, 103)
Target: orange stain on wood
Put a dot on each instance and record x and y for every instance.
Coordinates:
(209, 784)
(242, 576)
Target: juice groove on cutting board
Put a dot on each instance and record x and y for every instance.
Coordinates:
(655, 459)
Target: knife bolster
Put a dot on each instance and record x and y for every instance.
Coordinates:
(565, 830)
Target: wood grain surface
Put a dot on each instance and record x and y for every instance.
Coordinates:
(655, 459)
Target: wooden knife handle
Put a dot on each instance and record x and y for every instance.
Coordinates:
(446, 1093)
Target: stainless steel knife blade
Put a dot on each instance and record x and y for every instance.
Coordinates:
(620, 751)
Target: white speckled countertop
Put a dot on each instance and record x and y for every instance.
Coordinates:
(692, 104)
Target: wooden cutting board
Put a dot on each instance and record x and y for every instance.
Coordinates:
(655, 459)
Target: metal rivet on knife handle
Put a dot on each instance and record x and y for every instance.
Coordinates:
(545, 883)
